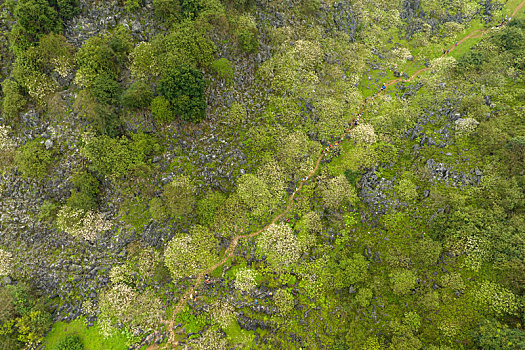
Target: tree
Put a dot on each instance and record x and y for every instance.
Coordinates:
(407, 190)
(245, 279)
(208, 206)
(7, 148)
(279, 245)
(34, 18)
(85, 191)
(138, 95)
(426, 251)
(161, 109)
(179, 196)
(364, 133)
(183, 87)
(223, 68)
(189, 254)
(246, 33)
(105, 89)
(33, 159)
(255, 195)
(491, 334)
(402, 281)
(284, 300)
(338, 191)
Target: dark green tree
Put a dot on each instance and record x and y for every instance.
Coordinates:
(138, 95)
(184, 87)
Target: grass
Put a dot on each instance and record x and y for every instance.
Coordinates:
(91, 338)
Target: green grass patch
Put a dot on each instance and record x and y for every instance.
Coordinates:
(91, 338)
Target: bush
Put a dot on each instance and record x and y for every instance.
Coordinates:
(402, 281)
(167, 10)
(157, 209)
(34, 18)
(161, 109)
(14, 101)
(284, 300)
(245, 280)
(207, 207)
(280, 246)
(84, 195)
(183, 87)
(33, 160)
(247, 33)
(70, 342)
(66, 8)
(223, 68)
(82, 224)
(105, 89)
(191, 8)
(138, 95)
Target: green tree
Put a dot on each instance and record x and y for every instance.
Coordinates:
(207, 207)
(284, 300)
(255, 195)
(33, 159)
(184, 86)
(280, 246)
(161, 109)
(138, 95)
(105, 89)
(402, 281)
(85, 191)
(493, 335)
(14, 101)
(337, 192)
(189, 254)
(70, 342)
(179, 196)
(223, 68)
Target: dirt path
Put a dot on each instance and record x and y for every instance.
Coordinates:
(235, 241)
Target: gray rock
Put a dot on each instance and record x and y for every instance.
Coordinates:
(48, 144)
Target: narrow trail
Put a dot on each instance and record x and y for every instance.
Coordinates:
(235, 241)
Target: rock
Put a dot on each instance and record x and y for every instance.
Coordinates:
(48, 144)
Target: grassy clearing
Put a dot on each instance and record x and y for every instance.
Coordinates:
(91, 337)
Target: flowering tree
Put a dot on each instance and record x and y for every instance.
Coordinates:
(81, 223)
(465, 126)
(6, 262)
(337, 191)
(179, 196)
(188, 255)
(364, 133)
(255, 195)
(245, 279)
(280, 246)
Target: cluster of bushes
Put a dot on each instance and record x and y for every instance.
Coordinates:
(24, 318)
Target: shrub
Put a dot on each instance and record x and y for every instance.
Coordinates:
(145, 62)
(189, 254)
(161, 109)
(245, 279)
(70, 342)
(48, 211)
(363, 297)
(207, 207)
(35, 17)
(14, 101)
(465, 126)
(498, 299)
(236, 116)
(157, 209)
(184, 86)
(407, 190)
(179, 196)
(138, 95)
(6, 262)
(84, 195)
(167, 10)
(105, 89)
(33, 160)
(247, 33)
(191, 8)
(254, 194)
(82, 224)
(223, 68)
(56, 54)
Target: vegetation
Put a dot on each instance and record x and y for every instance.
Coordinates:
(232, 174)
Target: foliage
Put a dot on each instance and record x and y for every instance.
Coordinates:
(13, 101)
(105, 89)
(337, 192)
(120, 156)
(136, 310)
(402, 281)
(364, 133)
(189, 254)
(491, 334)
(85, 191)
(161, 109)
(284, 300)
(207, 207)
(279, 245)
(138, 95)
(223, 68)
(247, 34)
(465, 126)
(33, 159)
(183, 87)
(71, 342)
(81, 223)
(179, 196)
(498, 299)
(245, 279)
